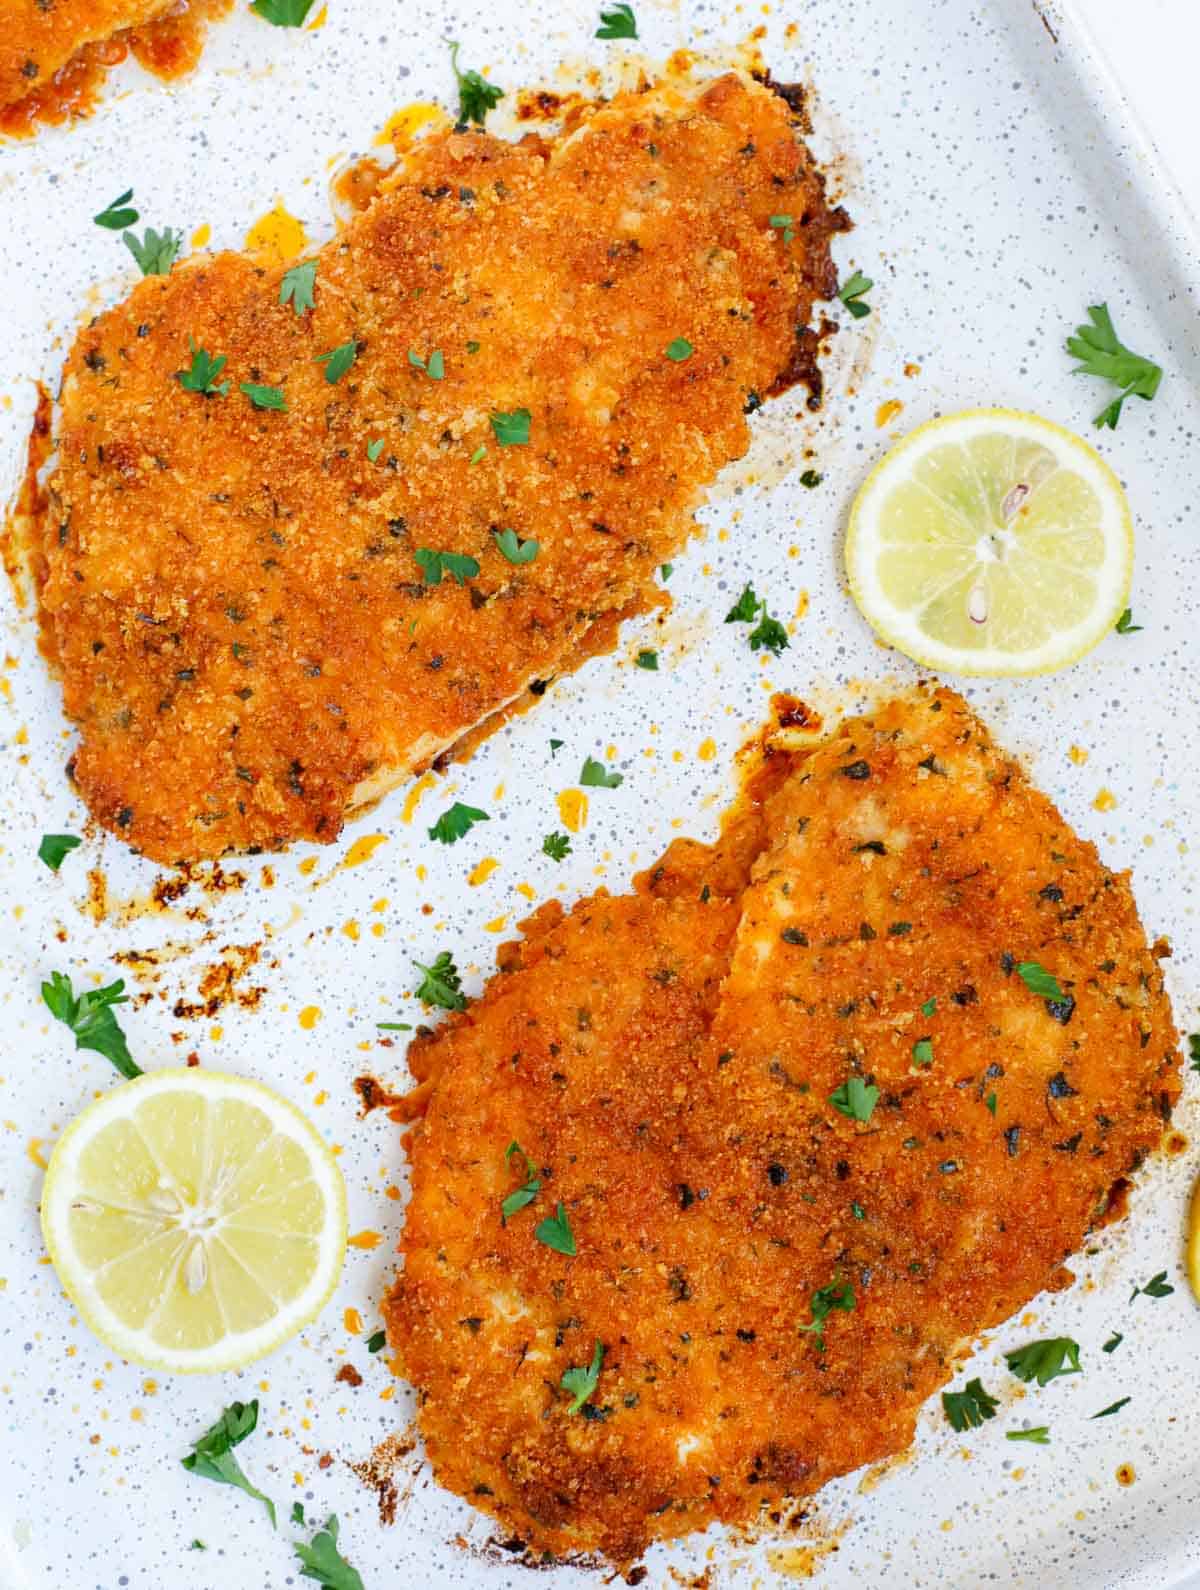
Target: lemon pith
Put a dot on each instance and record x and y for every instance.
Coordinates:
(195, 1219)
(991, 542)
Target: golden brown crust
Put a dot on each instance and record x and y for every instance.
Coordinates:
(232, 595)
(667, 1061)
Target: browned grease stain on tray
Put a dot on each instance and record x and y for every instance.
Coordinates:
(378, 1472)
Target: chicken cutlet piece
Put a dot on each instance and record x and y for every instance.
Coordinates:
(809, 1125)
(52, 52)
(393, 515)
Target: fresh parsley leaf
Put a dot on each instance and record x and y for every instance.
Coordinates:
(511, 430)
(1039, 1434)
(783, 224)
(197, 1545)
(855, 1098)
(212, 1456)
(1039, 981)
(55, 848)
(969, 1408)
(648, 660)
(434, 565)
(201, 375)
(283, 13)
(811, 479)
(1101, 353)
(1113, 1407)
(1155, 1287)
(679, 349)
(298, 1513)
(456, 823)
(91, 1019)
(156, 252)
(555, 1231)
(922, 1052)
(338, 360)
(745, 609)
(825, 1300)
(264, 397)
(666, 570)
(555, 745)
(619, 23)
(582, 1382)
(769, 635)
(441, 984)
(596, 776)
(377, 1342)
(857, 1210)
(852, 292)
(322, 1560)
(1194, 1050)
(521, 1196)
(476, 96)
(374, 449)
(1125, 624)
(116, 216)
(514, 549)
(930, 1005)
(394, 1026)
(434, 367)
(478, 455)
(990, 1103)
(557, 846)
(1113, 1342)
(298, 284)
(1046, 1360)
(473, 347)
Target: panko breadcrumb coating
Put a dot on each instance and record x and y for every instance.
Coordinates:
(255, 625)
(810, 1125)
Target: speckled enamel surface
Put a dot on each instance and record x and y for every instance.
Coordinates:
(997, 194)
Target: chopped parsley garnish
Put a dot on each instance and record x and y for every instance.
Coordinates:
(990, 1103)
(297, 286)
(377, 1341)
(90, 1018)
(441, 984)
(527, 1191)
(855, 1098)
(596, 776)
(1113, 1342)
(473, 347)
(784, 225)
(1039, 1434)
(511, 430)
(1155, 1287)
(55, 848)
(679, 349)
(967, 1409)
(1125, 624)
(1113, 1407)
(857, 1210)
(116, 216)
(322, 1560)
(1194, 1050)
(374, 449)
(557, 846)
(769, 633)
(510, 545)
(434, 367)
(852, 292)
(825, 1300)
(555, 1231)
(478, 455)
(476, 96)
(930, 1005)
(1046, 1360)
(456, 823)
(298, 1513)
(201, 376)
(556, 745)
(922, 1052)
(582, 1382)
(338, 360)
(619, 23)
(458, 565)
(666, 570)
(212, 1456)
(648, 660)
(1101, 353)
(264, 397)
(394, 1026)
(197, 1545)
(156, 252)
(811, 479)
(283, 13)
(1039, 981)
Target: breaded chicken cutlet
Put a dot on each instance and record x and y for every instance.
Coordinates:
(52, 52)
(392, 515)
(813, 1117)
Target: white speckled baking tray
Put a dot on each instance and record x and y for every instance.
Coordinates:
(998, 192)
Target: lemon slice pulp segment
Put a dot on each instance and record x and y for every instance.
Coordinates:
(991, 542)
(195, 1219)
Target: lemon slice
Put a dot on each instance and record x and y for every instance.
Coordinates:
(195, 1219)
(1193, 1242)
(991, 542)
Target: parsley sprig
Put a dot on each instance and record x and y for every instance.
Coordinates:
(512, 429)
(338, 360)
(441, 984)
(283, 13)
(510, 546)
(456, 822)
(460, 566)
(837, 1295)
(156, 252)
(594, 775)
(555, 1231)
(557, 846)
(212, 1456)
(1125, 624)
(855, 1098)
(1102, 353)
(967, 1409)
(1156, 1287)
(297, 286)
(201, 375)
(523, 1195)
(55, 848)
(90, 1017)
(323, 1562)
(476, 96)
(619, 23)
(582, 1382)
(768, 633)
(852, 293)
(117, 215)
(1046, 1360)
